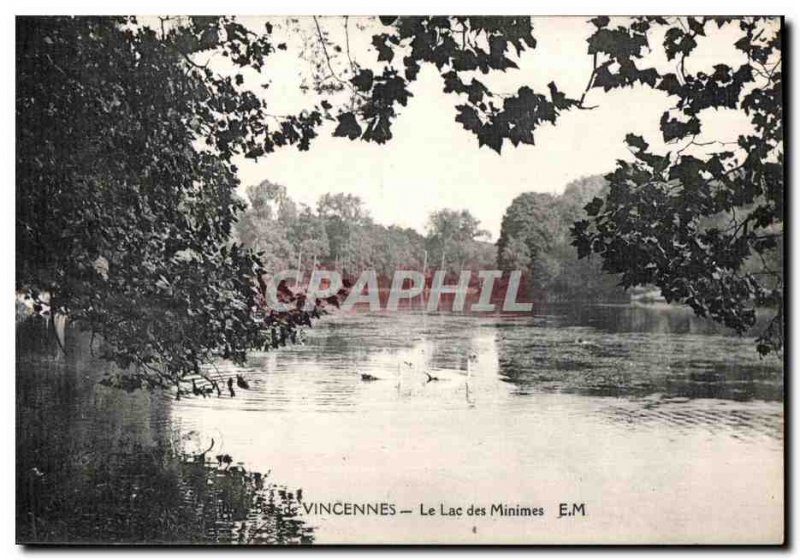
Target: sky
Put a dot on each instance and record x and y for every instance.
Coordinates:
(433, 163)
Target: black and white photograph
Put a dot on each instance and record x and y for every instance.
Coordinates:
(399, 280)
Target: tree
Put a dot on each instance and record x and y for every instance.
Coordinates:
(529, 231)
(264, 228)
(397, 248)
(535, 237)
(660, 221)
(126, 199)
(125, 193)
(452, 239)
(583, 278)
(652, 226)
(308, 236)
(514, 255)
(532, 221)
(343, 214)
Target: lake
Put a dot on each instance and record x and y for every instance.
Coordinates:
(661, 425)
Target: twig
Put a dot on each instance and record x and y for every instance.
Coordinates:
(347, 43)
(709, 143)
(325, 52)
(589, 84)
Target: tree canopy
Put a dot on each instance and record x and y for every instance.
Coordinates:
(126, 187)
(706, 230)
(704, 226)
(125, 193)
(535, 238)
(340, 234)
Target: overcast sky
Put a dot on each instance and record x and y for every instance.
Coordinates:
(433, 163)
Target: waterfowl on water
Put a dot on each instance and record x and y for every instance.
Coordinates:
(198, 391)
(472, 358)
(368, 377)
(201, 457)
(214, 387)
(241, 383)
(449, 374)
(230, 387)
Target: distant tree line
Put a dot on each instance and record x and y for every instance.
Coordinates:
(340, 234)
(535, 238)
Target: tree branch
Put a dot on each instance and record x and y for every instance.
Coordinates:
(589, 84)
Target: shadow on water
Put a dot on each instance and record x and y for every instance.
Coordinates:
(99, 465)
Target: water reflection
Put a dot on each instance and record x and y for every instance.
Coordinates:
(512, 358)
(547, 408)
(523, 409)
(98, 465)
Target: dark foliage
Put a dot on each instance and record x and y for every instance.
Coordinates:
(707, 230)
(125, 192)
(535, 237)
(456, 46)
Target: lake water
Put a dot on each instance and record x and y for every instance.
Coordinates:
(663, 427)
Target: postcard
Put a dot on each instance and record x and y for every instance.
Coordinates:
(438, 280)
